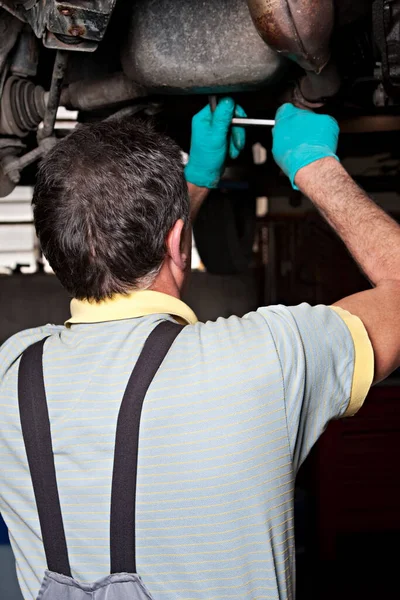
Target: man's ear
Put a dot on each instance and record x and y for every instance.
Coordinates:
(176, 246)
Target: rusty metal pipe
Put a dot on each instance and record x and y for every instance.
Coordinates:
(53, 100)
(315, 89)
(99, 93)
(298, 29)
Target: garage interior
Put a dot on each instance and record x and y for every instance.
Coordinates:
(348, 491)
(259, 243)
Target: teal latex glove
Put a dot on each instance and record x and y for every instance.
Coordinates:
(211, 143)
(302, 137)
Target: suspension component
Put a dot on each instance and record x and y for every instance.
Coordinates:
(22, 107)
(53, 98)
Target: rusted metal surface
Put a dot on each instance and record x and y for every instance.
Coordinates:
(196, 46)
(26, 54)
(9, 149)
(315, 89)
(92, 94)
(76, 19)
(11, 166)
(64, 42)
(9, 31)
(77, 23)
(53, 101)
(298, 29)
(13, 8)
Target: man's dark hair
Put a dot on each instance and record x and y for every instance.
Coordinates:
(105, 199)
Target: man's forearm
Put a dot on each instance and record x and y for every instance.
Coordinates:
(197, 196)
(372, 237)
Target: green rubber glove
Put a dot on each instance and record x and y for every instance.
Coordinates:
(211, 143)
(302, 137)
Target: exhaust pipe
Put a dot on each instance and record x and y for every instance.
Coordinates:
(301, 30)
(93, 94)
(298, 29)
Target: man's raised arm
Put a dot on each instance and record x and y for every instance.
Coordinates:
(212, 141)
(304, 147)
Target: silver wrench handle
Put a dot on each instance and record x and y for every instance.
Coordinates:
(260, 122)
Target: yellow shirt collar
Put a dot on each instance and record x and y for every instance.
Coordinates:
(136, 304)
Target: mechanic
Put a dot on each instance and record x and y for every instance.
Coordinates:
(236, 405)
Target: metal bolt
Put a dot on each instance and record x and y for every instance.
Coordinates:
(75, 31)
(65, 11)
(14, 175)
(10, 169)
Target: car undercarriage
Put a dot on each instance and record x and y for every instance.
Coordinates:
(162, 59)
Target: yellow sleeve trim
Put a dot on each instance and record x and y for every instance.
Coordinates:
(363, 374)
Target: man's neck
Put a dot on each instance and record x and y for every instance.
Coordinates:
(166, 284)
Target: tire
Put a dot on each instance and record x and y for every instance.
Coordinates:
(224, 231)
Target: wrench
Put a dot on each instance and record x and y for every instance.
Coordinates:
(260, 122)
(243, 121)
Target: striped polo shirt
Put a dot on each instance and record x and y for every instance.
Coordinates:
(230, 416)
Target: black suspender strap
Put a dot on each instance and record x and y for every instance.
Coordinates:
(123, 494)
(35, 425)
(36, 432)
